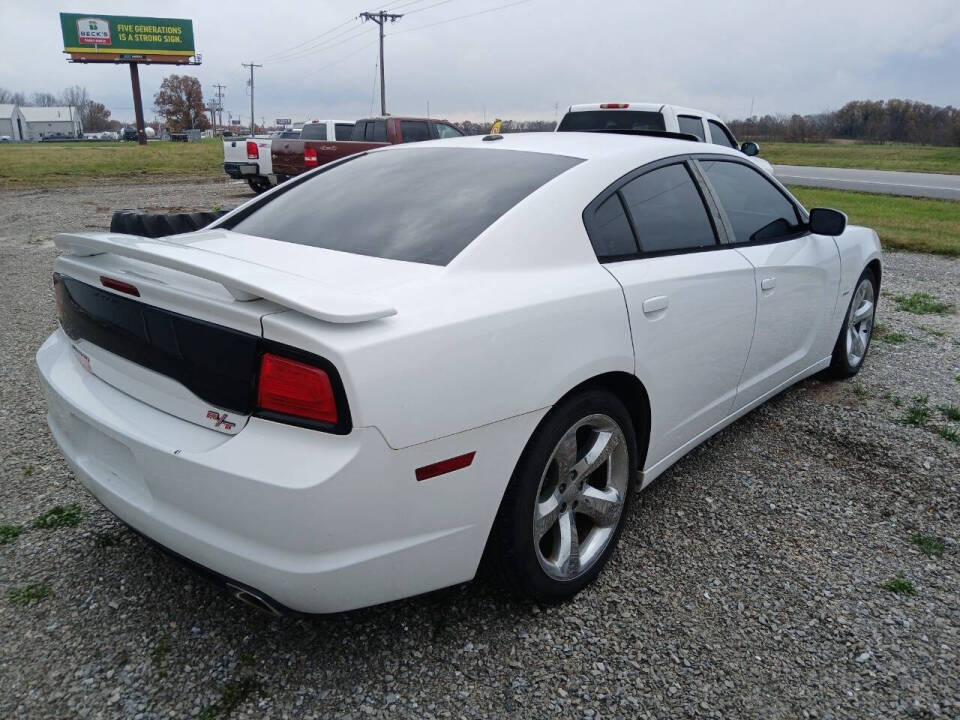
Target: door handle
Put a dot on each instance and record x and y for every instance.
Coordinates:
(655, 304)
(768, 283)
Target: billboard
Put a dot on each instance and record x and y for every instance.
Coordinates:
(128, 38)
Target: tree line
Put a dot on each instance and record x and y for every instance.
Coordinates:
(94, 116)
(872, 121)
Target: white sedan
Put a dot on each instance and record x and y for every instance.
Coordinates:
(352, 388)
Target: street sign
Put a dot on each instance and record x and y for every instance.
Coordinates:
(132, 39)
(284, 121)
(234, 122)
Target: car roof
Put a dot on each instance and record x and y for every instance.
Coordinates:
(644, 107)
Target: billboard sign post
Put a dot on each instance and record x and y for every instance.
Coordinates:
(131, 40)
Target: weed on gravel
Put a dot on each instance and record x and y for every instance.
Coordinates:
(233, 696)
(34, 592)
(950, 412)
(918, 413)
(929, 545)
(105, 539)
(59, 516)
(900, 585)
(9, 533)
(950, 434)
(28, 471)
(883, 334)
(922, 303)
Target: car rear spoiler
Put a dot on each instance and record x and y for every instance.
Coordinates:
(244, 280)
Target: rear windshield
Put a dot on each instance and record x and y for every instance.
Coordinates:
(421, 205)
(611, 120)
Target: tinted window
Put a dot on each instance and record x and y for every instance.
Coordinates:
(755, 207)
(691, 126)
(611, 120)
(610, 231)
(314, 131)
(447, 131)
(368, 132)
(430, 202)
(343, 131)
(414, 131)
(719, 134)
(667, 211)
(379, 130)
(358, 131)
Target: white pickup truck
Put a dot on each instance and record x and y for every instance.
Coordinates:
(248, 158)
(646, 117)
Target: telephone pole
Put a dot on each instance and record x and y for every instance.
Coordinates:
(380, 18)
(253, 122)
(220, 89)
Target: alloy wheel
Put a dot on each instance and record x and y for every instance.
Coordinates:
(860, 322)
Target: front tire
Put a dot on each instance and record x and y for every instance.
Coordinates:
(854, 340)
(566, 504)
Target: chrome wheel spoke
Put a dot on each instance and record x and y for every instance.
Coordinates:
(566, 455)
(600, 505)
(568, 545)
(863, 312)
(546, 514)
(601, 449)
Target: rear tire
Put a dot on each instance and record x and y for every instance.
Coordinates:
(567, 501)
(856, 332)
(259, 184)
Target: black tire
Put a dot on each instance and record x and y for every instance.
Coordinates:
(259, 184)
(842, 365)
(512, 551)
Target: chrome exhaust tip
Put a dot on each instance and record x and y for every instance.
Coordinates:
(253, 600)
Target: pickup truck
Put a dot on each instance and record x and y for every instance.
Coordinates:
(248, 158)
(656, 117)
(292, 157)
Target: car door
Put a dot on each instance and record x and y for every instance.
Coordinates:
(796, 273)
(690, 300)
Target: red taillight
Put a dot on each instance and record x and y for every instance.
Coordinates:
(119, 286)
(253, 153)
(613, 106)
(444, 466)
(290, 387)
(310, 157)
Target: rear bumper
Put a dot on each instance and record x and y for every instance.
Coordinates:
(319, 523)
(241, 171)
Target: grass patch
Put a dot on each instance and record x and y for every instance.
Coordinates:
(860, 391)
(59, 516)
(28, 471)
(9, 533)
(928, 544)
(899, 585)
(950, 434)
(882, 333)
(951, 412)
(34, 592)
(918, 224)
(53, 164)
(921, 303)
(932, 331)
(233, 696)
(918, 413)
(889, 156)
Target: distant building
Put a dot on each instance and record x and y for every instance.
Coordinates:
(50, 122)
(11, 122)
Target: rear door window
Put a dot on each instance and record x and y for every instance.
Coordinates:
(359, 130)
(447, 131)
(691, 126)
(431, 202)
(610, 232)
(379, 130)
(667, 211)
(719, 135)
(611, 120)
(756, 209)
(343, 131)
(414, 131)
(314, 131)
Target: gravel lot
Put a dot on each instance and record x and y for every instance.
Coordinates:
(749, 581)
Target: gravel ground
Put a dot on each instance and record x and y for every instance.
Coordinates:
(749, 581)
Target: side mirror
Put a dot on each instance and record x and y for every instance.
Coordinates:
(824, 221)
(749, 148)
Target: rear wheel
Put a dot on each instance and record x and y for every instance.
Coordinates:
(854, 340)
(258, 184)
(564, 509)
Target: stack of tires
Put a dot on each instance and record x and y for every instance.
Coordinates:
(154, 225)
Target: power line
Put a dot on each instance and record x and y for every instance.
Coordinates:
(381, 18)
(321, 48)
(461, 17)
(307, 42)
(427, 7)
(253, 122)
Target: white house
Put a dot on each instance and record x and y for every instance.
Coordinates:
(11, 123)
(42, 122)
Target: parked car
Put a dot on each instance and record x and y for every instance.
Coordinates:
(129, 134)
(345, 391)
(292, 157)
(656, 117)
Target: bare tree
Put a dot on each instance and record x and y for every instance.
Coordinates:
(12, 98)
(44, 99)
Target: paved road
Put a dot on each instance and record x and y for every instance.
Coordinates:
(876, 181)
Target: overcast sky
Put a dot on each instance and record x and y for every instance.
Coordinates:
(521, 61)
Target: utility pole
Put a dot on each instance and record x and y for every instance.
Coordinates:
(253, 122)
(220, 89)
(380, 18)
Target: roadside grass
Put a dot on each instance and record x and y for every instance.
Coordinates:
(59, 516)
(929, 545)
(950, 412)
(28, 165)
(921, 303)
(34, 592)
(950, 434)
(903, 223)
(882, 333)
(899, 585)
(918, 413)
(889, 156)
(9, 533)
